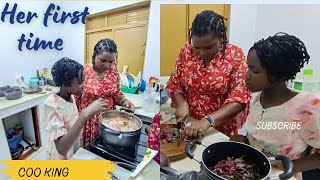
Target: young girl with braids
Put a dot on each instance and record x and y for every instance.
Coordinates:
(102, 81)
(208, 82)
(62, 121)
(271, 63)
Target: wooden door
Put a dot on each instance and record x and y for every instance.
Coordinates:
(92, 39)
(173, 25)
(175, 22)
(131, 44)
(194, 9)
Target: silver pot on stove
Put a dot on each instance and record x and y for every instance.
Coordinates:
(120, 138)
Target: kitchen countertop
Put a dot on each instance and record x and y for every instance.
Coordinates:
(211, 136)
(6, 104)
(151, 170)
(137, 99)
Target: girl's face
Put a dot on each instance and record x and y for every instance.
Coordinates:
(256, 77)
(105, 60)
(77, 85)
(207, 46)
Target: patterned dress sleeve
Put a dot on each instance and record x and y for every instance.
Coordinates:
(238, 91)
(154, 136)
(310, 127)
(174, 85)
(119, 92)
(53, 123)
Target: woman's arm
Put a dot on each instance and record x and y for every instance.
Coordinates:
(175, 88)
(182, 111)
(303, 164)
(227, 113)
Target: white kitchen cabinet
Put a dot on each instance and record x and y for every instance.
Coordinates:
(28, 111)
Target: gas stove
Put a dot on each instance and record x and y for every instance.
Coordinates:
(132, 155)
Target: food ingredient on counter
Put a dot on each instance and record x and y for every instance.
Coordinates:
(148, 153)
(169, 134)
(236, 169)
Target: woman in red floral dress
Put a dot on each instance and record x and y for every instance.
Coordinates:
(102, 81)
(208, 82)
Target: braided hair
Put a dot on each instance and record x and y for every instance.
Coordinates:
(209, 22)
(104, 45)
(282, 55)
(65, 70)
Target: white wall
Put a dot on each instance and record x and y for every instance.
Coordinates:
(27, 62)
(250, 23)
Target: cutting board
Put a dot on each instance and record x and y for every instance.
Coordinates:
(173, 150)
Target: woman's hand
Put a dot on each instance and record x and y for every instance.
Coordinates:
(182, 112)
(239, 138)
(197, 128)
(95, 107)
(126, 103)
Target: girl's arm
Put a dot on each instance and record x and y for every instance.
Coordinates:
(65, 142)
(306, 163)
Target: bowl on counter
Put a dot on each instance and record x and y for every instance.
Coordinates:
(2, 89)
(13, 94)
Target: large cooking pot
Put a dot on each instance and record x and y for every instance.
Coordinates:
(221, 150)
(120, 138)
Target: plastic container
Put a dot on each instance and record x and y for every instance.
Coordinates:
(129, 90)
(151, 102)
(14, 141)
(308, 84)
(143, 85)
(41, 83)
(34, 82)
(298, 85)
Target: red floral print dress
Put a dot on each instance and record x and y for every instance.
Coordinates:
(154, 136)
(107, 88)
(207, 89)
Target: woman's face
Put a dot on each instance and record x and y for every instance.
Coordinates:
(104, 61)
(256, 77)
(77, 85)
(207, 46)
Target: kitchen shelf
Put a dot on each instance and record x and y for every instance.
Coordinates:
(31, 132)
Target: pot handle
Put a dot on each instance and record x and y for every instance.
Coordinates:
(188, 148)
(131, 111)
(287, 165)
(113, 132)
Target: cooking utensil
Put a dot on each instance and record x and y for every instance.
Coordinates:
(120, 138)
(221, 150)
(31, 90)
(13, 94)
